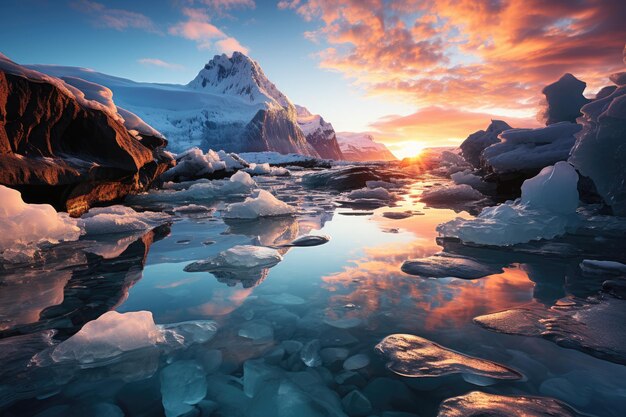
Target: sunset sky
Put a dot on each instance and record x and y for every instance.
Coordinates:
(416, 73)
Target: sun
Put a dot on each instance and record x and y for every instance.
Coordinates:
(409, 149)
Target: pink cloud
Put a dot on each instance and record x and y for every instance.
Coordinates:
(198, 28)
(160, 63)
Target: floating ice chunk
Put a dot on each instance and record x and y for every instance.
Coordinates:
(183, 384)
(263, 205)
(110, 335)
(193, 164)
(25, 226)
(592, 267)
(468, 178)
(310, 354)
(477, 404)
(119, 219)
(588, 325)
(397, 215)
(191, 332)
(451, 194)
(546, 209)
(356, 362)
(378, 193)
(442, 266)
(238, 257)
(416, 357)
(258, 169)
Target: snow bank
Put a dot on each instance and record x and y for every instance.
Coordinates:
(600, 151)
(529, 150)
(119, 219)
(193, 163)
(110, 335)
(472, 147)
(264, 204)
(25, 226)
(546, 209)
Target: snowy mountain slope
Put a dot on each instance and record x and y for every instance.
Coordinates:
(361, 147)
(230, 105)
(319, 133)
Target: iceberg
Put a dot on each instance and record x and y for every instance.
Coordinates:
(264, 204)
(546, 209)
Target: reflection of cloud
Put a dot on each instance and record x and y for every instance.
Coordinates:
(222, 302)
(376, 285)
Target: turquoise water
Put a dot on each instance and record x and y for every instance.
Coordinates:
(347, 293)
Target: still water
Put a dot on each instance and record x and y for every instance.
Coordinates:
(348, 294)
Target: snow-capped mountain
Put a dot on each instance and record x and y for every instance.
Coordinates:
(361, 147)
(319, 133)
(230, 105)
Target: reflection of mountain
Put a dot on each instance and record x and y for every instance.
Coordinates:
(96, 284)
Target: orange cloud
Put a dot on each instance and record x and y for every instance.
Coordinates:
(160, 63)
(198, 28)
(438, 125)
(466, 53)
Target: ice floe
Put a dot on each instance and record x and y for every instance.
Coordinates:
(412, 356)
(119, 219)
(264, 204)
(26, 226)
(477, 404)
(546, 209)
(238, 257)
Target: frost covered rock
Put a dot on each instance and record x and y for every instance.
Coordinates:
(238, 257)
(600, 150)
(416, 357)
(110, 335)
(183, 384)
(546, 209)
(264, 204)
(25, 226)
(478, 404)
(526, 151)
(119, 219)
(193, 164)
(564, 99)
(472, 147)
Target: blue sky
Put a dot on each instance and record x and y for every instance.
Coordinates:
(67, 33)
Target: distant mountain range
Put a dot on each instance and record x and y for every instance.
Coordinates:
(361, 147)
(230, 105)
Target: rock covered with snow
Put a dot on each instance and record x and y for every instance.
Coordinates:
(564, 99)
(600, 150)
(362, 147)
(43, 151)
(26, 226)
(472, 147)
(319, 133)
(546, 209)
(193, 164)
(264, 204)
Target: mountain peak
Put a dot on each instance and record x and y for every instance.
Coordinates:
(240, 76)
